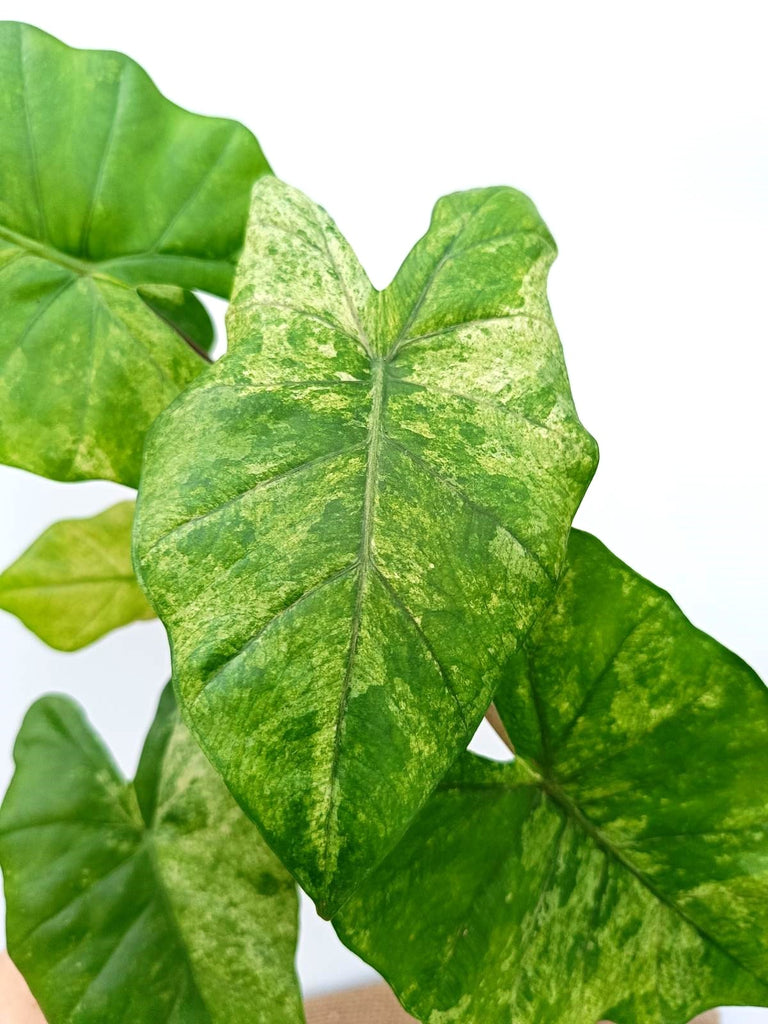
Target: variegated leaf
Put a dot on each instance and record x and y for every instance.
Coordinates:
(618, 869)
(145, 903)
(75, 582)
(104, 186)
(350, 522)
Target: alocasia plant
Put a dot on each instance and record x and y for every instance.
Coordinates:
(356, 528)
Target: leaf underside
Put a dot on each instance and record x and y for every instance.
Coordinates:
(350, 522)
(104, 186)
(75, 582)
(618, 869)
(134, 904)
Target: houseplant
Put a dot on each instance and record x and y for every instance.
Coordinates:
(356, 528)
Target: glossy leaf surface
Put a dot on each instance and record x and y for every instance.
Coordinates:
(75, 582)
(135, 904)
(104, 185)
(184, 312)
(350, 522)
(618, 869)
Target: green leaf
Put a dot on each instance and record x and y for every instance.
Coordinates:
(104, 186)
(619, 867)
(144, 903)
(75, 583)
(184, 312)
(350, 522)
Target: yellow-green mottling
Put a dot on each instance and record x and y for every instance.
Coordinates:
(75, 582)
(145, 903)
(350, 522)
(105, 186)
(618, 869)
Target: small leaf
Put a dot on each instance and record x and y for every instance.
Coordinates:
(184, 312)
(619, 867)
(75, 582)
(324, 516)
(104, 186)
(145, 903)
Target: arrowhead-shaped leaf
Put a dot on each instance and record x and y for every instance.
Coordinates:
(157, 902)
(104, 186)
(351, 521)
(76, 583)
(619, 868)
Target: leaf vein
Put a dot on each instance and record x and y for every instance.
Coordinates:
(593, 688)
(208, 173)
(378, 404)
(419, 338)
(485, 403)
(258, 486)
(101, 170)
(281, 613)
(91, 887)
(42, 219)
(41, 313)
(133, 926)
(398, 600)
(325, 321)
(473, 505)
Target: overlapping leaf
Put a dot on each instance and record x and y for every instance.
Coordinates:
(184, 312)
(104, 186)
(349, 524)
(618, 868)
(76, 582)
(136, 904)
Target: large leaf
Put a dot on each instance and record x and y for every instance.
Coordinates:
(75, 583)
(619, 868)
(104, 185)
(136, 904)
(351, 521)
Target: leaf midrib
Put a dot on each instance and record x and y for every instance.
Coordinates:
(99, 268)
(378, 364)
(82, 581)
(84, 268)
(151, 828)
(166, 902)
(365, 562)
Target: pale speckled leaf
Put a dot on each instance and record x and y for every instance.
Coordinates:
(350, 522)
(618, 868)
(75, 582)
(104, 186)
(157, 902)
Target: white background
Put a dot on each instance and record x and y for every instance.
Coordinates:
(640, 131)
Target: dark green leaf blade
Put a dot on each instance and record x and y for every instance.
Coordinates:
(323, 516)
(75, 582)
(104, 185)
(182, 916)
(619, 868)
(184, 312)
